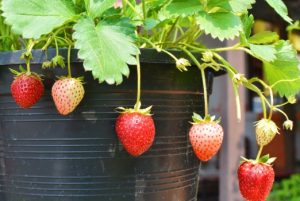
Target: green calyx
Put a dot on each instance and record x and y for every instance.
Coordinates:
(197, 119)
(136, 109)
(266, 160)
(22, 71)
(27, 56)
(58, 60)
(80, 79)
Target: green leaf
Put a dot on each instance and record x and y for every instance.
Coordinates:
(248, 22)
(154, 4)
(150, 23)
(235, 6)
(265, 37)
(241, 6)
(97, 7)
(184, 7)
(285, 67)
(223, 25)
(264, 52)
(212, 5)
(33, 18)
(106, 48)
(280, 8)
(78, 2)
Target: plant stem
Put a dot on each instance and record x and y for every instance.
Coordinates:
(259, 153)
(144, 9)
(172, 28)
(201, 68)
(56, 46)
(282, 112)
(247, 83)
(28, 51)
(261, 96)
(69, 62)
(237, 101)
(138, 72)
(28, 66)
(133, 8)
(204, 92)
(272, 102)
(220, 49)
(170, 54)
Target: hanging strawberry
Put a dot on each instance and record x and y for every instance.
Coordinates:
(67, 92)
(256, 178)
(135, 126)
(27, 87)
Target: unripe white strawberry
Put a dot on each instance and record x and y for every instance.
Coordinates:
(265, 130)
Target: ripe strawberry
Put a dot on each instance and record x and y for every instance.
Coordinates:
(67, 93)
(135, 130)
(256, 179)
(265, 130)
(206, 136)
(26, 89)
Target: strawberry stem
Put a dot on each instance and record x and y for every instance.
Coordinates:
(56, 46)
(28, 66)
(271, 102)
(201, 68)
(69, 61)
(138, 72)
(204, 91)
(259, 153)
(28, 52)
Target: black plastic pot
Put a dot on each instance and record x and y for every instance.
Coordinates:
(48, 157)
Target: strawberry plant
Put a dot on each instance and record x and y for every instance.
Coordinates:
(109, 35)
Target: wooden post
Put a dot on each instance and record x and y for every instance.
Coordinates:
(233, 145)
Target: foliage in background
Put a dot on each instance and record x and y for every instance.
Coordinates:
(161, 24)
(109, 37)
(294, 34)
(286, 190)
(8, 40)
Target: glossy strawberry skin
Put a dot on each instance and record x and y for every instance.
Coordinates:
(27, 90)
(206, 139)
(255, 180)
(67, 93)
(136, 132)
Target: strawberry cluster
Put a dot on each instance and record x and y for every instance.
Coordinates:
(27, 89)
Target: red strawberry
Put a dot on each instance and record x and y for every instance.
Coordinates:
(135, 130)
(67, 93)
(26, 89)
(206, 136)
(256, 179)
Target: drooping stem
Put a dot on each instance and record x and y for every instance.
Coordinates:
(138, 72)
(28, 65)
(282, 112)
(237, 101)
(28, 52)
(202, 70)
(204, 92)
(144, 9)
(272, 103)
(56, 46)
(259, 153)
(69, 61)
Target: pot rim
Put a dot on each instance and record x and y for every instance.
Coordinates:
(39, 56)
